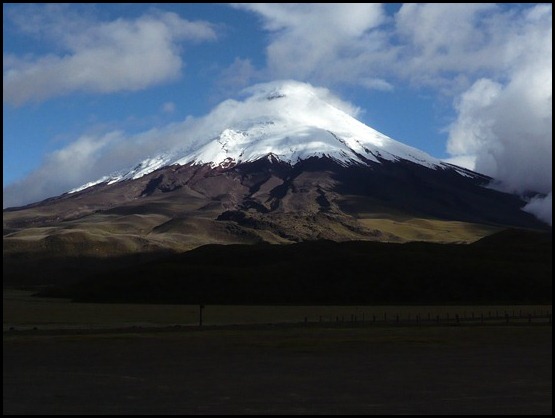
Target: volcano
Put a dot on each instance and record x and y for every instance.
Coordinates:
(286, 164)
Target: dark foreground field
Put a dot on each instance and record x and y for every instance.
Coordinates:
(282, 370)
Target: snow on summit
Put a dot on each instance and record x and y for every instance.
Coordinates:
(295, 121)
(289, 119)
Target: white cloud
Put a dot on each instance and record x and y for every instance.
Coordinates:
(98, 57)
(445, 46)
(465, 160)
(60, 170)
(238, 75)
(323, 42)
(542, 208)
(442, 45)
(168, 107)
(472, 129)
(439, 38)
(323, 94)
(89, 158)
(376, 84)
(506, 123)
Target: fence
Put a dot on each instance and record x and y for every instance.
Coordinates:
(516, 317)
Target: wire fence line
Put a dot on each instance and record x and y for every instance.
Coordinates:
(429, 319)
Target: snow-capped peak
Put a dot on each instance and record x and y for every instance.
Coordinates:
(292, 121)
(295, 121)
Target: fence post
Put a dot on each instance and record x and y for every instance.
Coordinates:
(200, 309)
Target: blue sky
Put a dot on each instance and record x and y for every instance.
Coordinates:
(470, 82)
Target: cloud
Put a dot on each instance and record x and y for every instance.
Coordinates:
(506, 123)
(60, 171)
(238, 75)
(97, 57)
(436, 40)
(466, 161)
(445, 46)
(542, 208)
(323, 42)
(168, 107)
(89, 158)
(376, 84)
(439, 45)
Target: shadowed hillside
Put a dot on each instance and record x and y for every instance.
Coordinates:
(509, 267)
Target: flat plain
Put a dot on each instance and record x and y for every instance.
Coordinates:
(292, 368)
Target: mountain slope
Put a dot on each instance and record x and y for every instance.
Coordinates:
(284, 165)
(181, 207)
